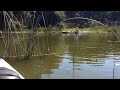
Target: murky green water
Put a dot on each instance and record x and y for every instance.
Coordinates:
(65, 56)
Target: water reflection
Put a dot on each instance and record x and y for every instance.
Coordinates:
(71, 56)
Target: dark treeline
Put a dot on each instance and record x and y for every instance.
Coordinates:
(32, 19)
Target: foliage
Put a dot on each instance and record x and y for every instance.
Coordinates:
(32, 19)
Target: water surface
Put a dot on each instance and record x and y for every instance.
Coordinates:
(65, 56)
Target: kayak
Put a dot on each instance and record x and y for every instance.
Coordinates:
(8, 72)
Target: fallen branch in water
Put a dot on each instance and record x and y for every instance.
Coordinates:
(34, 55)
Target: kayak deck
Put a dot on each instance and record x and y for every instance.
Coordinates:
(8, 72)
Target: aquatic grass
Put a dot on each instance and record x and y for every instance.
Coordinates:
(9, 26)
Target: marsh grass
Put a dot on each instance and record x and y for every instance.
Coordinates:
(94, 29)
(88, 29)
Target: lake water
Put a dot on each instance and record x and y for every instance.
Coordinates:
(63, 56)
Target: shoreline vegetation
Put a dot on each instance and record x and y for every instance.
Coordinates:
(96, 29)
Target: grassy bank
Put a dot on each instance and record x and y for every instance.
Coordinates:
(87, 29)
(92, 29)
